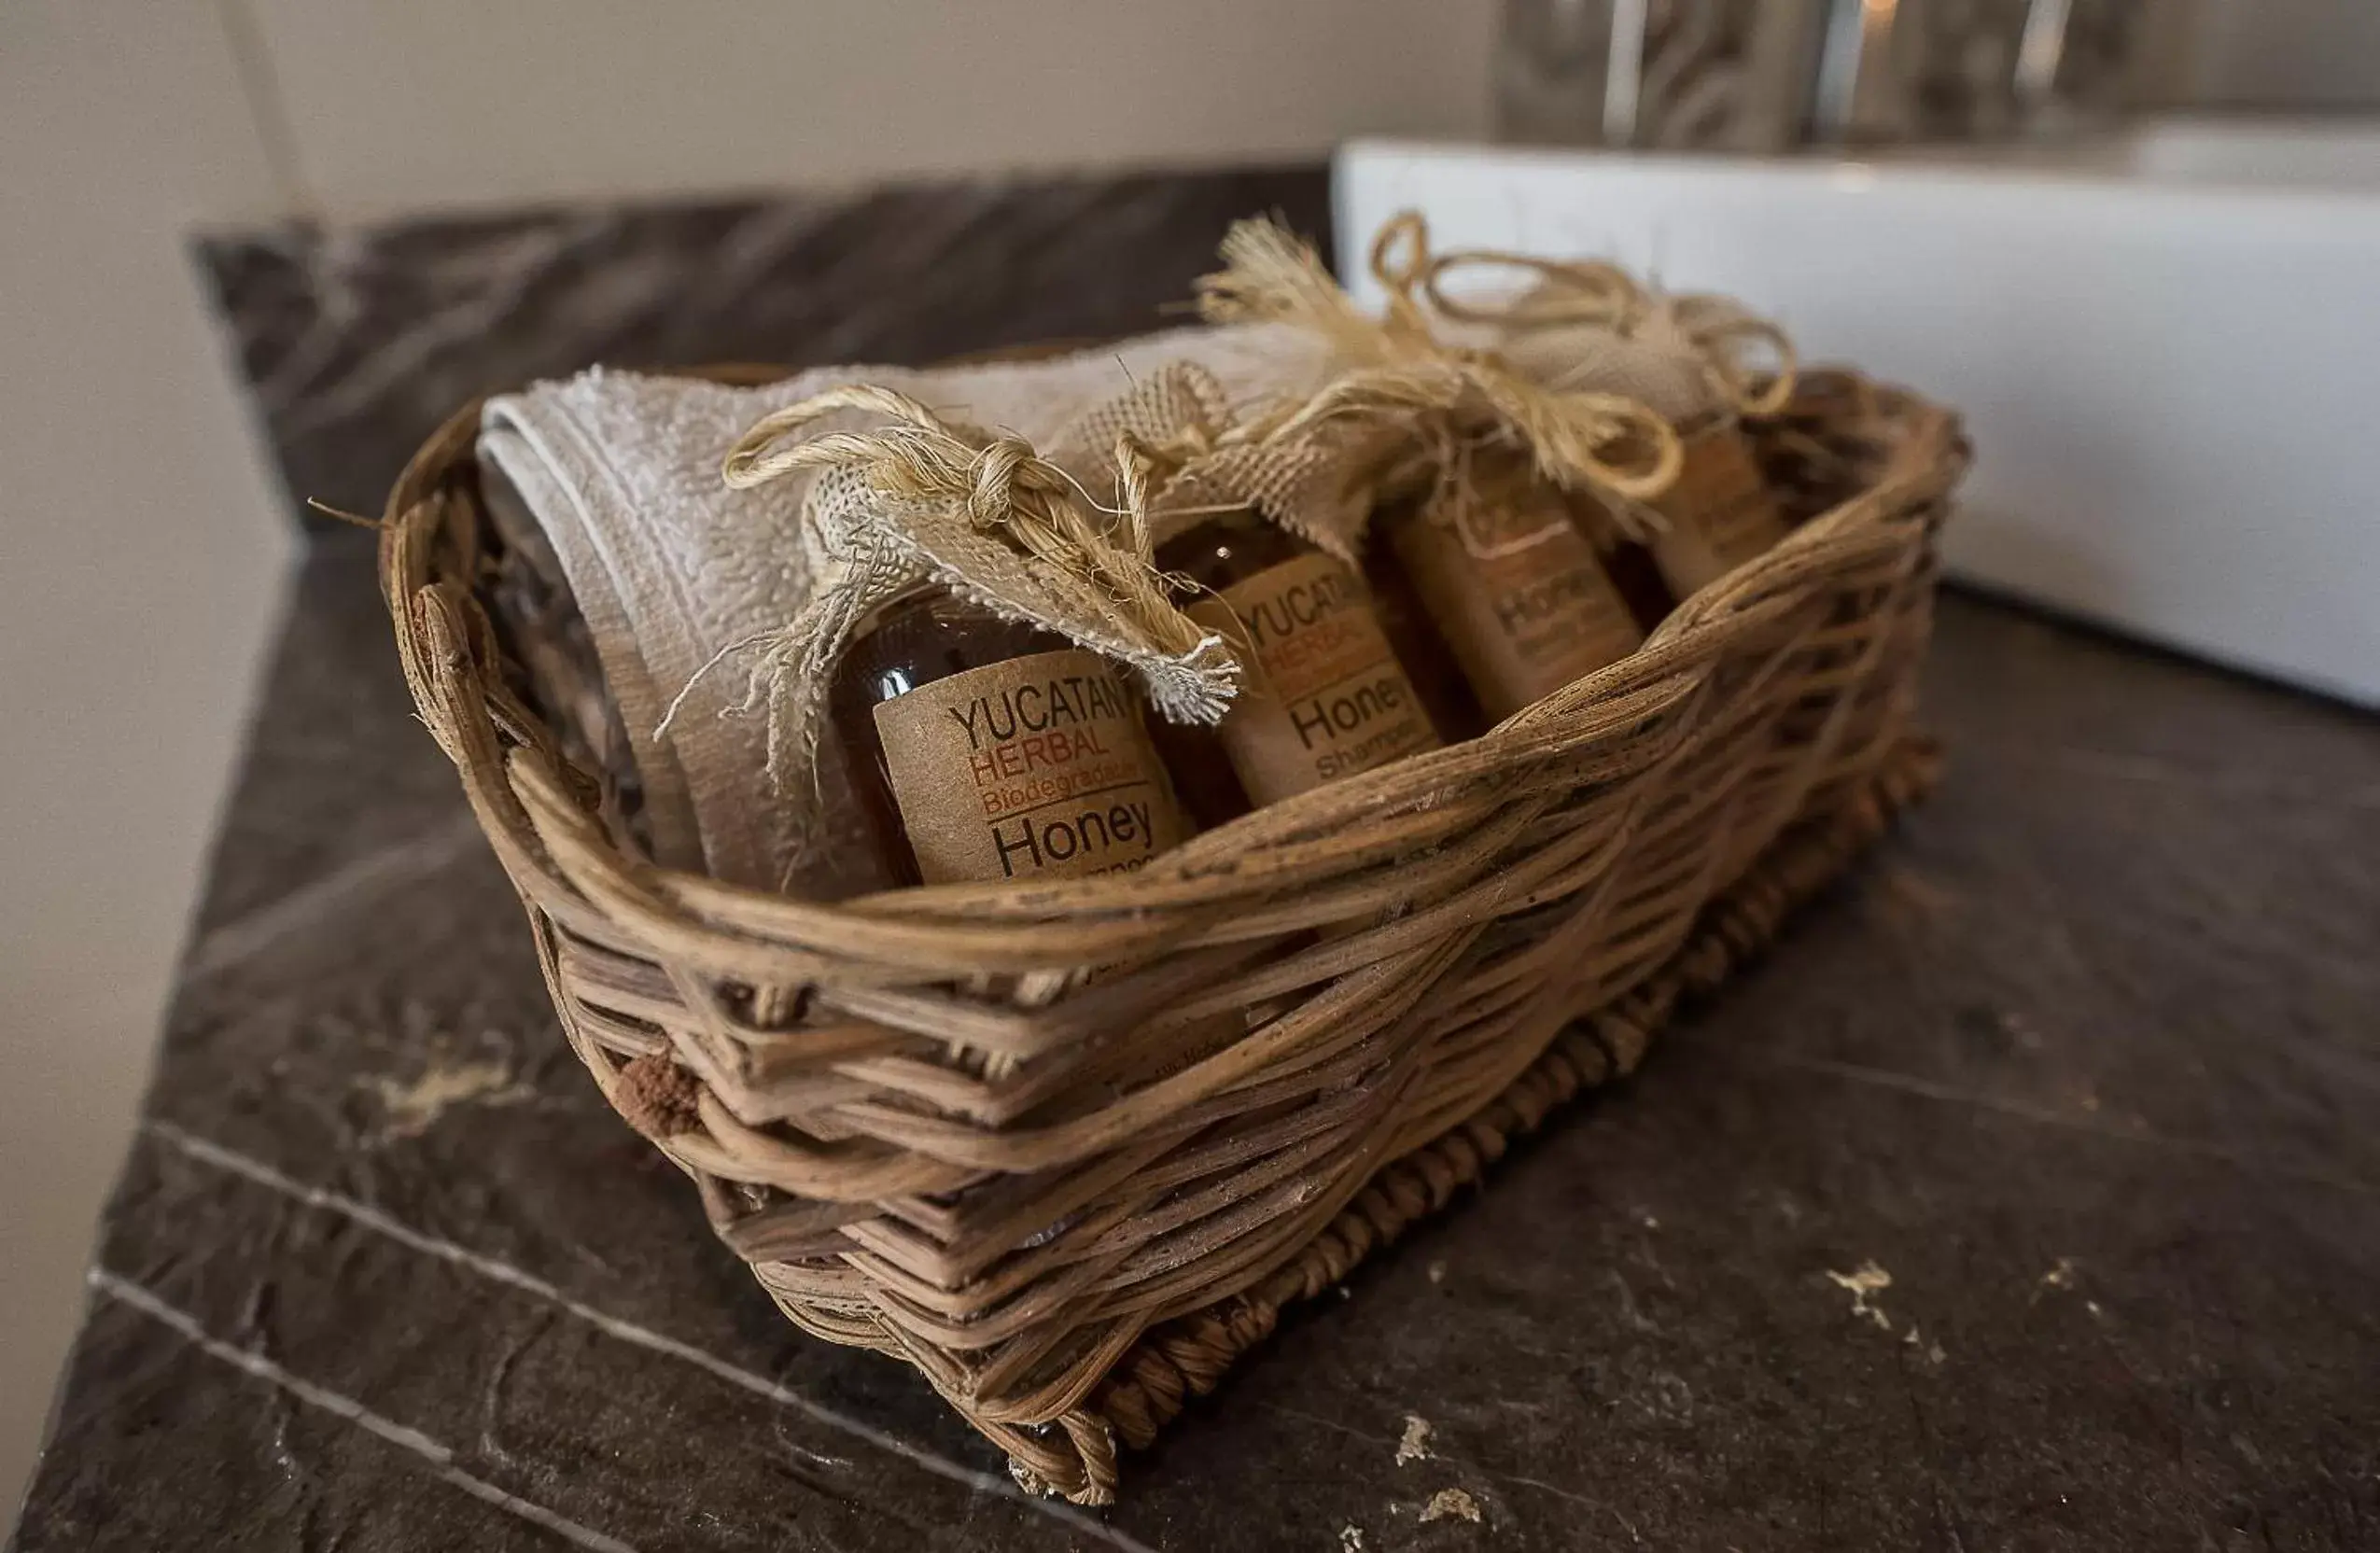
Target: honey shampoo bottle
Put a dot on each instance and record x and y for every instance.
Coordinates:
(1587, 326)
(1323, 696)
(1512, 582)
(985, 748)
(1719, 514)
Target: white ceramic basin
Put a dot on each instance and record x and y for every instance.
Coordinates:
(2167, 344)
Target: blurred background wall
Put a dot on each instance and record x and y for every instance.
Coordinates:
(141, 541)
(391, 106)
(2307, 54)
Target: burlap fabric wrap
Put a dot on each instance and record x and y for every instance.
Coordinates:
(1176, 449)
(916, 499)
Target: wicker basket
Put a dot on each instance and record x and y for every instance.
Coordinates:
(930, 1134)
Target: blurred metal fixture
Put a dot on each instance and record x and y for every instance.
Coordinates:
(1767, 75)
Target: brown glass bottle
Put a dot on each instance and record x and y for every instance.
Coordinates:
(1454, 709)
(1323, 696)
(1719, 514)
(987, 749)
(1512, 582)
(1630, 562)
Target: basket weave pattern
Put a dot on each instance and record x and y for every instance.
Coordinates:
(991, 1129)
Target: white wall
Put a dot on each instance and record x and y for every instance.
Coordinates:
(140, 557)
(397, 104)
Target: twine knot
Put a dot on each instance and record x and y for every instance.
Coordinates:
(1001, 472)
(1747, 359)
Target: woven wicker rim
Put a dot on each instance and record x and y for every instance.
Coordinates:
(1419, 856)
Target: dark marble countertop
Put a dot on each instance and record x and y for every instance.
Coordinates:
(2026, 1195)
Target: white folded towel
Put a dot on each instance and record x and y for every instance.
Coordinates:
(670, 568)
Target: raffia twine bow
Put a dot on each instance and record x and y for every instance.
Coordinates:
(924, 498)
(1747, 359)
(1396, 369)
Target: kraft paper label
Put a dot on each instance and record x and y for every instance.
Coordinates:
(1518, 593)
(1720, 514)
(1036, 768)
(1323, 698)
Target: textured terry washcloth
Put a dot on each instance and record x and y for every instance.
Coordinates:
(671, 569)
